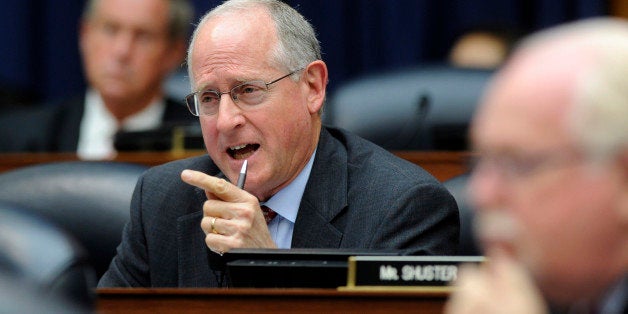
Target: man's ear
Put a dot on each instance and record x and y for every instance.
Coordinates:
(316, 79)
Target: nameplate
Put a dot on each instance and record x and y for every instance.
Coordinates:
(405, 271)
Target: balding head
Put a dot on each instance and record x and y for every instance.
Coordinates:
(552, 140)
(296, 44)
(582, 70)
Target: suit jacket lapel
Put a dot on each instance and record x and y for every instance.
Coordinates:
(68, 123)
(324, 198)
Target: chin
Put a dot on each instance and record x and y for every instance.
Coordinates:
(560, 293)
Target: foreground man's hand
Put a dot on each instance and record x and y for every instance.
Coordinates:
(232, 217)
(499, 286)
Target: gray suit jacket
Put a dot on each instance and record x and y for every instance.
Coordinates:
(358, 196)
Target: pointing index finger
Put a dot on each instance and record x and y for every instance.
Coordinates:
(216, 186)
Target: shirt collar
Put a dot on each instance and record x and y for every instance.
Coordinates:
(148, 118)
(98, 125)
(286, 202)
(615, 299)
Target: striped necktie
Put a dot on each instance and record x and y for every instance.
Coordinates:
(269, 214)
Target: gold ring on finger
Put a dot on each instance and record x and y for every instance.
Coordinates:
(213, 225)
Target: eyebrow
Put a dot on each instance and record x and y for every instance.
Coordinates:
(237, 82)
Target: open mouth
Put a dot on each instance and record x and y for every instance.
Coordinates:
(242, 151)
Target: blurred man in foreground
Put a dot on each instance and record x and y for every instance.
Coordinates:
(128, 47)
(551, 182)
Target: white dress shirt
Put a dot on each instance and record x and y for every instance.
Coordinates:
(99, 126)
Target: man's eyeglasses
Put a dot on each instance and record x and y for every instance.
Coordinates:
(514, 167)
(247, 94)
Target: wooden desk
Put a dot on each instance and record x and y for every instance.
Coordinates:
(300, 301)
(442, 164)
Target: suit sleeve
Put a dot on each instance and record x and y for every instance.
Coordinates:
(129, 268)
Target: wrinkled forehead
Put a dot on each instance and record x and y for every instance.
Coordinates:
(239, 40)
(253, 23)
(150, 15)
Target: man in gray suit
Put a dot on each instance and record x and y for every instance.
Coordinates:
(260, 86)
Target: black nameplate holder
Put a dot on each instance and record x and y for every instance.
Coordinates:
(291, 268)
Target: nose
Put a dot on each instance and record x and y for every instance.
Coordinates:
(229, 114)
(123, 44)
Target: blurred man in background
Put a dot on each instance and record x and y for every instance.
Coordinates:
(551, 182)
(128, 47)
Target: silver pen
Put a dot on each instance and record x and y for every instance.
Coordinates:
(242, 176)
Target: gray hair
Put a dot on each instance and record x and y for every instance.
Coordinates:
(180, 16)
(599, 119)
(297, 45)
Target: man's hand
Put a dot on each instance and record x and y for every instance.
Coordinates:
(499, 286)
(232, 217)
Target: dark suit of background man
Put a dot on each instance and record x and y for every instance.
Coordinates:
(260, 81)
(128, 49)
